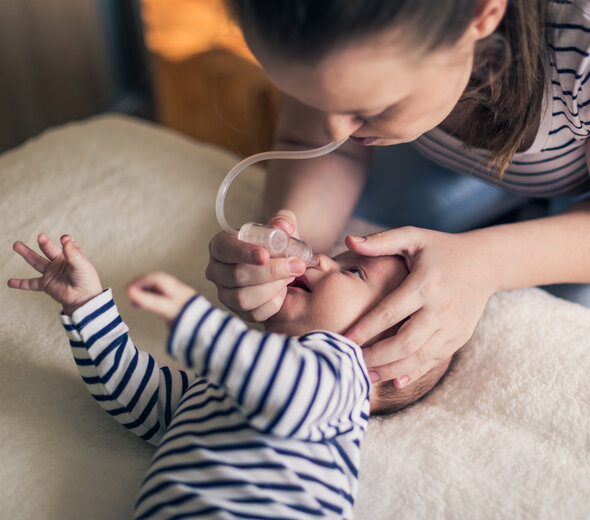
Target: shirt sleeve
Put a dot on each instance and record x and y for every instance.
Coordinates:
(125, 381)
(313, 387)
(569, 61)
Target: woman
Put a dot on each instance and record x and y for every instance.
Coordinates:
(493, 88)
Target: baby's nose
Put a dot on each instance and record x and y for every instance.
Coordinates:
(326, 263)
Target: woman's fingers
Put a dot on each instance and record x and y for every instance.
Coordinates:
(400, 241)
(248, 281)
(286, 220)
(434, 352)
(410, 337)
(411, 368)
(227, 249)
(250, 298)
(233, 276)
(394, 308)
(35, 260)
(267, 309)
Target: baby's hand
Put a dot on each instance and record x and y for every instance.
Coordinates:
(161, 294)
(67, 274)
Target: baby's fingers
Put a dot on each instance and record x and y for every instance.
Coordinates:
(160, 293)
(157, 283)
(49, 248)
(35, 260)
(25, 284)
(151, 301)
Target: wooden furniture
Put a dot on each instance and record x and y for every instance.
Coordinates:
(206, 83)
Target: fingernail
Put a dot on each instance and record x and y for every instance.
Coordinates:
(358, 240)
(400, 382)
(373, 376)
(296, 265)
(275, 221)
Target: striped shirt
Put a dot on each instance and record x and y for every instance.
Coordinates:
(269, 428)
(555, 163)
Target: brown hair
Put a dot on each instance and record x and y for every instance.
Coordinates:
(506, 88)
(512, 60)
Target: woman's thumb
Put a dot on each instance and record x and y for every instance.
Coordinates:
(391, 242)
(284, 219)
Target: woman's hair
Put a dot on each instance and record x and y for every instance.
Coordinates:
(506, 87)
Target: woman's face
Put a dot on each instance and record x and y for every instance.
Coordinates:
(377, 91)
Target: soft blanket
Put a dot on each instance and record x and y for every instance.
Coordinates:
(506, 435)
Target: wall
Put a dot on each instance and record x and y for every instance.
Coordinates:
(53, 65)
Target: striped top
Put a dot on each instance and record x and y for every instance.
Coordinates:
(555, 163)
(271, 428)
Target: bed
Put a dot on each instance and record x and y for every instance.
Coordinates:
(505, 435)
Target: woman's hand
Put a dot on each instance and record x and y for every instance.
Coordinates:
(443, 296)
(248, 281)
(160, 293)
(66, 273)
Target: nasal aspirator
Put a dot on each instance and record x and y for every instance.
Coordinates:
(272, 238)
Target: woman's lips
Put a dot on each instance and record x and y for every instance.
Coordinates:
(364, 140)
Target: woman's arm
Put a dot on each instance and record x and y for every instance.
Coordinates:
(543, 251)
(321, 192)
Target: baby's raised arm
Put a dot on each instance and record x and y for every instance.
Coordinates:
(126, 382)
(66, 273)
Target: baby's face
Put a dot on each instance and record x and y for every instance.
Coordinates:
(334, 295)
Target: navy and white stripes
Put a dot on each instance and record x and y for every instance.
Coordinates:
(555, 163)
(270, 429)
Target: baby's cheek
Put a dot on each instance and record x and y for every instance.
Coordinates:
(337, 317)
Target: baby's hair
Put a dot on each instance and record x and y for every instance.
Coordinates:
(386, 398)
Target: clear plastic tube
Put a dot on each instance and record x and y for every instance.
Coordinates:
(272, 238)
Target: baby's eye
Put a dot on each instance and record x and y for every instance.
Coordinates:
(355, 270)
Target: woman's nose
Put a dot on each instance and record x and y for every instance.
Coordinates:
(339, 126)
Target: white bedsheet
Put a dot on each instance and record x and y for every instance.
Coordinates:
(507, 434)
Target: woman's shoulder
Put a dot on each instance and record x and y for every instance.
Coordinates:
(569, 11)
(568, 38)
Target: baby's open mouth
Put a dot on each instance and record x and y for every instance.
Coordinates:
(301, 282)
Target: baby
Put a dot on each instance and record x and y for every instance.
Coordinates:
(263, 424)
